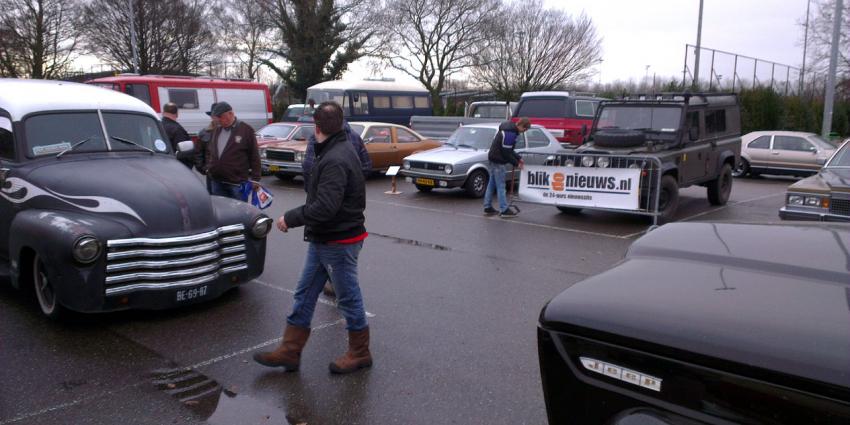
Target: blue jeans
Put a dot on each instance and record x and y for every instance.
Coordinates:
(339, 263)
(228, 190)
(496, 184)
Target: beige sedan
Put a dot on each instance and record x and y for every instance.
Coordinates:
(782, 152)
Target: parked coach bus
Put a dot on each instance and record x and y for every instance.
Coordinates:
(379, 101)
(195, 95)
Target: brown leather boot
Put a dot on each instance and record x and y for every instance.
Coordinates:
(288, 354)
(357, 357)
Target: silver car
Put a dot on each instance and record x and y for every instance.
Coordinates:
(462, 160)
(782, 152)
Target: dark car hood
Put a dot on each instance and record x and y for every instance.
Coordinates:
(776, 297)
(154, 194)
(828, 179)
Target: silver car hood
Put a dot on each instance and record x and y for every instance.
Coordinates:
(449, 155)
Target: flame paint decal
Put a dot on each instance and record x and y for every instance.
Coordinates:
(22, 191)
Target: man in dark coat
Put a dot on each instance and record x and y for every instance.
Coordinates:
(232, 154)
(175, 132)
(501, 154)
(334, 227)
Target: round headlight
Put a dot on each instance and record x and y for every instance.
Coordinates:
(261, 227)
(587, 161)
(634, 165)
(570, 162)
(603, 162)
(448, 169)
(86, 249)
(406, 165)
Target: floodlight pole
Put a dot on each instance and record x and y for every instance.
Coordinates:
(699, 44)
(805, 47)
(829, 97)
(133, 45)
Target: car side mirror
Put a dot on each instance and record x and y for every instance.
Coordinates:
(4, 174)
(693, 134)
(185, 148)
(368, 140)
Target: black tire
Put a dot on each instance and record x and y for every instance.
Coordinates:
(720, 188)
(424, 189)
(742, 168)
(476, 183)
(570, 210)
(44, 291)
(618, 138)
(668, 200)
(284, 177)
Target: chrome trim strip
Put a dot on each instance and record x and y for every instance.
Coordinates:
(233, 259)
(232, 269)
(232, 239)
(175, 240)
(111, 280)
(163, 252)
(165, 285)
(232, 249)
(203, 258)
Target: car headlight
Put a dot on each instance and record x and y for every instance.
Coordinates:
(261, 227)
(588, 161)
(448, 169)
(634, 165)
(570, 163)
(603, 162)
(299, 156)
(406, 165)
(812, 201)
(86, 249)
(796, 200)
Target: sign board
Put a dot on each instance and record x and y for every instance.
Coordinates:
(392, 171)
(617, 188)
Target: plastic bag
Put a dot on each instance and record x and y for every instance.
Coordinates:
(260, 198)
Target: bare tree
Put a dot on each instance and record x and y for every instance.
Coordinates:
(315, 39)
(246, 32)
(820, 37)
(431, 40)
(172, 36)
(38, 38)
(537, 49)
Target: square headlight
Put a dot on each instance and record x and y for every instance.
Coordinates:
(796, 200)
(812, 201)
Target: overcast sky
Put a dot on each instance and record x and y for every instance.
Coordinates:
(636, 33)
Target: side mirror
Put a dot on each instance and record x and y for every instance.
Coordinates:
(693, 134)
(185, 148)
(368, 140)
(4, 174)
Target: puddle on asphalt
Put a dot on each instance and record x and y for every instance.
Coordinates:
(217, 405)
(413, 242)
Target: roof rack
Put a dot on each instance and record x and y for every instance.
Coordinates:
(683, 97)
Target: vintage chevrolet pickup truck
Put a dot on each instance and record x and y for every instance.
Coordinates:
(706, 323)
(96, 214)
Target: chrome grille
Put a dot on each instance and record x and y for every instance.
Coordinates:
(426, 165)
(142, 264)
(840, 207)
(280, 155)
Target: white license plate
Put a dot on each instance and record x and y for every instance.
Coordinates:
(191, 294)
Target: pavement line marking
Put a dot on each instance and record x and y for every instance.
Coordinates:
(543, 226)
(321, 300)
(198, 365)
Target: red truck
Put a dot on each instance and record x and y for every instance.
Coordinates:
(562, 113)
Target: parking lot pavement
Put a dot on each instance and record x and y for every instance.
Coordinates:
(453, 298)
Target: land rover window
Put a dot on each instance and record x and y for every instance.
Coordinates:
(50, 134)
(402, 102)
(715, 122)
(404, 136)
(140, 129)
(762, 142)
(535, 138)
(542, 108)
(382, 102)
(585, 108)
(378, 135)
(420, 101)
(791, 143)
(7, 142)
(652, 118)
(184, 98)
(360, 103)
(139, 91)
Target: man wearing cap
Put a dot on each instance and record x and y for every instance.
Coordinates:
(232, 154)
(175, 132)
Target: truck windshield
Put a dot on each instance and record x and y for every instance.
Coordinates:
(140, 129)
(654, 118)
(49, 134)
(275, 130)
(472, 137)
(490, 111)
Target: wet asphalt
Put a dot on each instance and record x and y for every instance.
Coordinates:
(452, 296)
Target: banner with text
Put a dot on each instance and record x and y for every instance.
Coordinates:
(581, 186)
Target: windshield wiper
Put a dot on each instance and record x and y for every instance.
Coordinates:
(130, 142)
(74, 146)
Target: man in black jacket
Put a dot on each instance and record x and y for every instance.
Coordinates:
(334, 227)
(502, 153)
(175, 132)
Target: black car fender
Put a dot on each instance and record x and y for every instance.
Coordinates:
(726, 156)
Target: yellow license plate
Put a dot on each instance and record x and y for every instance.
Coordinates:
(424, 182)
(273, 168)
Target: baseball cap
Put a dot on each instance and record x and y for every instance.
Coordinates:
(220, 108)
(209, 113)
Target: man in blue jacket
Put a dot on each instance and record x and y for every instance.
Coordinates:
(500, 155)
